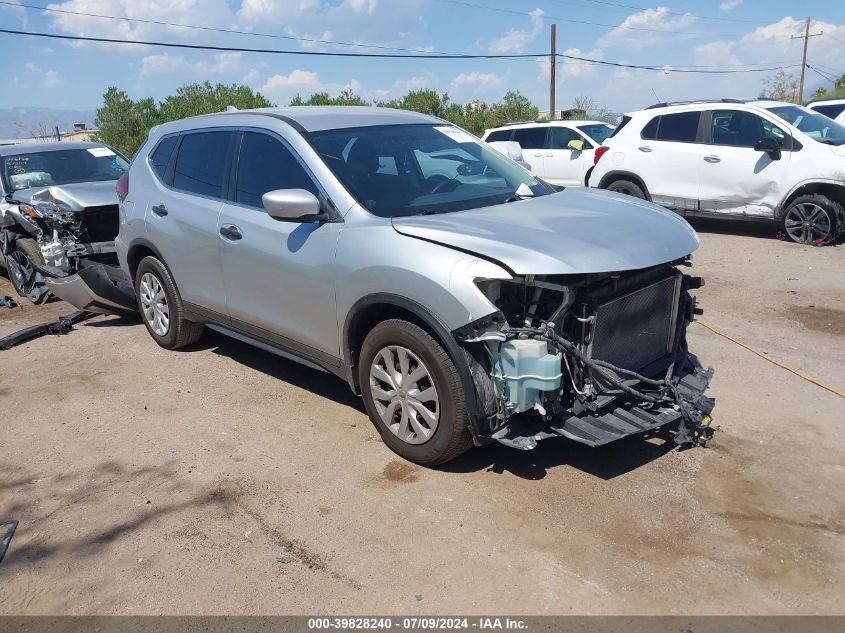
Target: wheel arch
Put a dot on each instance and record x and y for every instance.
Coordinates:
(138, 250)
(612, 176)
(373, 309)
(830, 189)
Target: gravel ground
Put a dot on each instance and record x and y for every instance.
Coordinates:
(224, 480)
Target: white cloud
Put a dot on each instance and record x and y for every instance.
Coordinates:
(577, 68)
(515, 40)
(165, 63)
(716, 54)
(418, 82)
(728, 5)
(483, 81)
(646, 28)
(18, 11)
(46, 78)
(282, 88)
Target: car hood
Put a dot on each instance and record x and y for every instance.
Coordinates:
(73, 197)
(575, 231)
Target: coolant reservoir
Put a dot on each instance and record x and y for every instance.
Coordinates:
(528, 369)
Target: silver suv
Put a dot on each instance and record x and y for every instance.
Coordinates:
(462, 298)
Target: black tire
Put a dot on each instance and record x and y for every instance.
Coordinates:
(824, 226)
(180, 331)
(27, 248)
(451, 436)
(627, 187)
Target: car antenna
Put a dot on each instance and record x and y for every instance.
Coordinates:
(654, 92)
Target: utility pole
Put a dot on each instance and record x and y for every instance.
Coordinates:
(552, 68)
(806, 37)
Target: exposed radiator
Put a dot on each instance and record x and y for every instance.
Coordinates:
(637, 328)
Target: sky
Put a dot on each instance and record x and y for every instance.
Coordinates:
(718, 34)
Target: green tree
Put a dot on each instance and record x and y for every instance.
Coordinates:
(346, 97)
(124, 123)
(515, 107)
(424, 101)
(782, 86)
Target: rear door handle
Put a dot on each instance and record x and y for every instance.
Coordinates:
(160, 210)
(644, 148)
(231, 232)
(712, 159)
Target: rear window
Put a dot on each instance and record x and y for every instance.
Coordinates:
(530, 137)
(201, 163)
(832, 110)
(160, 157)
(499, 135)
(625, 121)
(681, 127)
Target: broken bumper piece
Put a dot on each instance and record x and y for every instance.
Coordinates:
(97, 288)
(622, 418)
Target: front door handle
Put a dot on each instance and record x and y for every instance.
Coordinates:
(712, 159)
(231, 232)
(160, 210)
(644, 148)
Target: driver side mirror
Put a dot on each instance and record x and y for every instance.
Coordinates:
(770, 145)
(576, 145)
(293, 205)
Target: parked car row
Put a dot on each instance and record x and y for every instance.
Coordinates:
(465, 299)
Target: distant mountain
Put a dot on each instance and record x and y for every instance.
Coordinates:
(25, 122)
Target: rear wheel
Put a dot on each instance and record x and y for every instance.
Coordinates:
(413, 393)
(627, 187)
(811, 219)
(161, 306)
(24, 254)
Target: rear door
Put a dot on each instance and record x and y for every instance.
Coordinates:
(532, 140)
(183, 210)
(561, 164)
(668, 155)
(279, 276)
(736, 179)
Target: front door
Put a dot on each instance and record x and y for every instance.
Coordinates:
(279, 276)
(734, 178)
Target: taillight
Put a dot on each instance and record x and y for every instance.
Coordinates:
(122, 186)
(601, 151)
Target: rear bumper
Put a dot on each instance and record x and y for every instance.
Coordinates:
(96, 288)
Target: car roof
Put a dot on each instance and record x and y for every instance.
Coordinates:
(32, 148)
(711, 104)
(318, 118)
(556, 122)
(831, 101)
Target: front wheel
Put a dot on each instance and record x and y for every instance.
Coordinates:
(413, 393)
(628, 188)
(811, 219)
(24, 254)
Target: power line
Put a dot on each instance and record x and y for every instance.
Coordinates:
(272, 51)
(485, 7)
(678, 13)
(821, 74)
(215, 29)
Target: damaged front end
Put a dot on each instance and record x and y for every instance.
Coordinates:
(73, 228)
(590, 357)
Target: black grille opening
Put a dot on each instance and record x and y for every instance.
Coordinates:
(100, 224)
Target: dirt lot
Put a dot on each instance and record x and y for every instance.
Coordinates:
(246, 459)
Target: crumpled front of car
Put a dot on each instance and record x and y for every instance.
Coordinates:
(593, 357)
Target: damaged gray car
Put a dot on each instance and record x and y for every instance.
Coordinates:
(465, 300)
(58, 212)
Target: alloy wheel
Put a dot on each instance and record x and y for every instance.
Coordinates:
(24, 271)
(154, 304)
(404, 394)
(807, 223)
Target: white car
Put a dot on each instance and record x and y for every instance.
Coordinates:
(831, 108)
(733, 159)
(559, 152)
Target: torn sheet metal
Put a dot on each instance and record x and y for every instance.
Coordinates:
(93, 289)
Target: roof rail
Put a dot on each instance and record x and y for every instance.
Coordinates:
(678, 103)
(516, 123)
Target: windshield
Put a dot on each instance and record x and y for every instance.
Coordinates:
(399, 170)
(60, 167)
(599, 132)
(817, 126)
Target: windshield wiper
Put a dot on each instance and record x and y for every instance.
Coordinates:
(433, 212)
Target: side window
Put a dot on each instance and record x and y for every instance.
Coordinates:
(559, 137)
(735, 128)
(830, 111)
(649, 132)
(499, 135)
(160, 157)
(201, 163)
(530, 137)
(681, 127)
(266, 165)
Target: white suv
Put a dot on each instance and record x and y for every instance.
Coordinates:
(831, 108)
(733, 159)
(559, 152)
